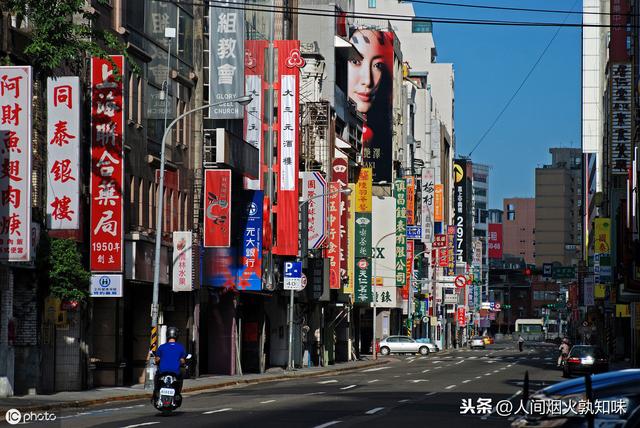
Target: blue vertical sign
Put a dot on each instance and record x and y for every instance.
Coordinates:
(250, 257)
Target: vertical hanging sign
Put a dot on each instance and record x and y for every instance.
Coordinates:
(333, 249)
(438, 203)
(428, 190)
(351, 247)
(217, 216)
(314, 185)
(290, 63)
(621, 120)
(411, 201)
(226, 60)
(401, 232)
(250, 269)
(107, 172)
(182, 261)
(15, 163)
(363, 201)
(63, 152)
(340, 171)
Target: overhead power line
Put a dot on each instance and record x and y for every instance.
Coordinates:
(512, 9)
(386, 17)
(513, 96)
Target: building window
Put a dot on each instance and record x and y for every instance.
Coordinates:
(420, 26)
(372, 4)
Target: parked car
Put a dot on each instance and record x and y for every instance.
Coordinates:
(611, 386)
(403, 345)
(432, 346)
(477, 342)
(585, 359)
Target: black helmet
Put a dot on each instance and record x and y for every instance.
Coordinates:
(172, 333)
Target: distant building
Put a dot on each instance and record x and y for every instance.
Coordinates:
(480, 182)
(558, 222)
(494, 215)
(519, 232)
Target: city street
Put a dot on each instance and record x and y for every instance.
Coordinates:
(409, 391)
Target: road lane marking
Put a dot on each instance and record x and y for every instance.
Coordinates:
(328, 381)
(466, 381)
(437, 367)
(496, 371)
(316, 393)
(375, 369)
(429, 394)
(373, 380)
(371, 412)
(423, 358)
(348, 387)
(460, 362)
(328, 424)
(487, 374)
(478, 377)
(418, 380)
(141, 425)
(226, 409)
(267, 402)
(450, 386)
(406, 400)
(426, 371)
(437, 361)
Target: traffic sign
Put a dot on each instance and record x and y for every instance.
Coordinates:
(497, 306)
(460, 281)
(293, 276)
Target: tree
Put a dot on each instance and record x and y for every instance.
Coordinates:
(62, 33)
(65, 274)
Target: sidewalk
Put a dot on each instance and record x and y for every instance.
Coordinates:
(96, 396)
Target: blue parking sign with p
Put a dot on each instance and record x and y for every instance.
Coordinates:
(293, 269)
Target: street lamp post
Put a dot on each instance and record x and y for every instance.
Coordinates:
(373, 292)
(301, 203)
(244, 100)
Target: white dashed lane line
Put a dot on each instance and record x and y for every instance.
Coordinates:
(210, 412)
(372, 411)
(348, 387)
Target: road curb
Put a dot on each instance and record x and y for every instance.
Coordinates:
(199, 388)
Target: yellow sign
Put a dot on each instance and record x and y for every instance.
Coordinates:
(599, 291)
(602, 244)
(458, 172)
(351, 246)
(363, 190)
(622, 311)
(51, 309)
(438, 202)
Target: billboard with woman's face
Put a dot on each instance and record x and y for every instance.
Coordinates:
(370, 88)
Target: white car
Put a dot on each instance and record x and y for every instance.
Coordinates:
(403, 345)
(477, 342)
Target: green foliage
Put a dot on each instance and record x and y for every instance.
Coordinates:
(63, 33)
(67, 278)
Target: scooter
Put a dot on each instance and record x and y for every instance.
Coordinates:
(166, 394)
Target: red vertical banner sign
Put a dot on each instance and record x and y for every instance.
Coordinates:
(217, 216)
(333, 249)
(341, 176)
(107, 158)
(495, 241)
(410, 254)
(462, 317)
(620, 19)
(254, 85)
(289, 64)
(411, 201)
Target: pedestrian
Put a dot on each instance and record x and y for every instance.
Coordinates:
(520, 342)
(564, 351)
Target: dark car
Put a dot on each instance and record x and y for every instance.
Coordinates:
(585, 359)
(612, 386)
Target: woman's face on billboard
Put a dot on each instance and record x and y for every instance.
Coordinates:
(365, 75)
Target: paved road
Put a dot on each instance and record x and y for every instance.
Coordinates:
(409, 391)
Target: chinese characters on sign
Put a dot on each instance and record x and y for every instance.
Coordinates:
(226, 59)
(351, 244)
(333, 249)
(107, 119)
(63, 152)
(217, 198)
(314, 185)
(182, 261)
(411, 201)
(289, 64)
(401, 232)
(15, 163)
(438, 198)
(250, 269)
(363, 191)
(621, 138)
(363, 257)
(495, 241)
(428, 193)
(340, 169)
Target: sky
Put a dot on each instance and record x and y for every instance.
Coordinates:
(490, 62)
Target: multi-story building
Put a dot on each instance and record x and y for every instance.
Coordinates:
(481, 201)
(519, 229)
(558, 210)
